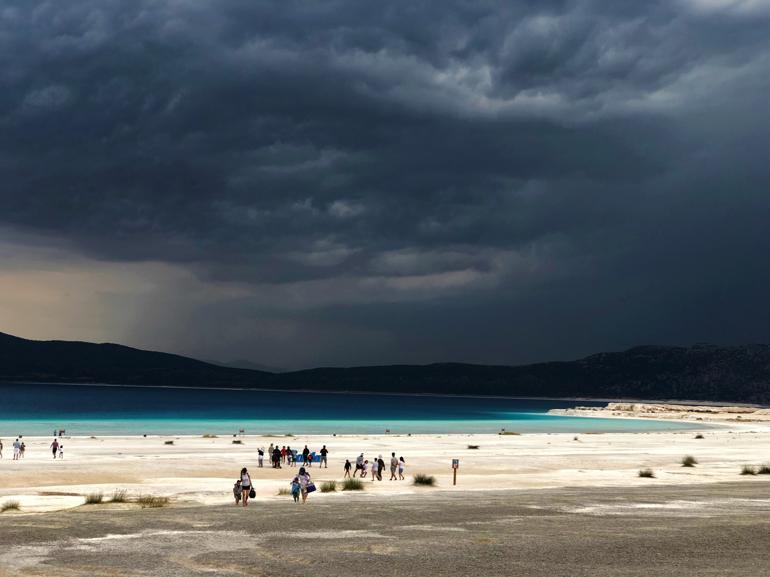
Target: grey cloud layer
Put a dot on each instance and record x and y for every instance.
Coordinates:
(493, 157)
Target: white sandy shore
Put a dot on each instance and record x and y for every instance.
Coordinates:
(201, 470)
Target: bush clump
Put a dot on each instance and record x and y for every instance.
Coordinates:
(647, 473)
(427, 480)
(9, 506)
(283, 491)
(473, 446)
(168, 442)
(328, 486)
(748, 470)
(152, 501)
(689, 461)
(94, 498)
(764, 470)
(699, 436)
(237, 442)
(352, 485)
(119, 496)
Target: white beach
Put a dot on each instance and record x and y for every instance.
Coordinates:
(197, 470)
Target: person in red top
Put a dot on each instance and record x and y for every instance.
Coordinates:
(283, 455)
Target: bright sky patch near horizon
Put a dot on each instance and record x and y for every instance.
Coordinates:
(305, 183)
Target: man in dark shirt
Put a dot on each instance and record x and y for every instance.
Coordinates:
(324, 452)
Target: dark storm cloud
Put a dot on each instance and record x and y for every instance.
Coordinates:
(593, 161)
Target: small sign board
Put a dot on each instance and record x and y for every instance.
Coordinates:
(455, 463)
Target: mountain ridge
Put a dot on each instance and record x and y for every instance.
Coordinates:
(737, 373)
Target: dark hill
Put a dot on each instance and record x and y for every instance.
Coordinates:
(702, 372)
(79, 362)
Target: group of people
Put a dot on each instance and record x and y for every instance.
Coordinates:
(20, 448)
(397, 467)
(286, 455)
(302, 484)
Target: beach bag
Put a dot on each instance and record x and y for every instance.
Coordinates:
(252, 493)
(310, 487)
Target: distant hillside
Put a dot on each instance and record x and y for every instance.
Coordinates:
(78, 362)
(702, 372)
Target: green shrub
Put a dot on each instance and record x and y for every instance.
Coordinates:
(119, 496)
(352, 485)
(689, 461)
(152, 501)
(328, 486)
(9, 506)
(748, 470)
(209, 436)
(420, 479)
(94, 498)
(284, 491)
(647, 473)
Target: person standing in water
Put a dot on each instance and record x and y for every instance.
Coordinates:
(245, 486)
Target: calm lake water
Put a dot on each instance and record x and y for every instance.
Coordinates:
(37, 409)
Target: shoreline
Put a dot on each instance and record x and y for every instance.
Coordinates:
(400, 394)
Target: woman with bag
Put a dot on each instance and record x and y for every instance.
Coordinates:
(305, 483)
(247, 491)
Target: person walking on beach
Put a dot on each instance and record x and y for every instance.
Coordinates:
(276, 458)
(401, 467)
(237, 492)
(283, 455)
(270, 452)
(348, 466)
(393, 467)
(303, 478)
(54, 447)
(295, 489)
(380, 467)
(16, 449)
(61, 451)
(364, 468)
(23, 449)
(260, 457)
(1, 448)
(324, 452)
(359, 464)
(305, 455)
(245, 486)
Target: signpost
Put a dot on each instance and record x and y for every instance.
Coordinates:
(455, 466)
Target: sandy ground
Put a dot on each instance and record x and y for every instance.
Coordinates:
(665, 531)
(197, 470)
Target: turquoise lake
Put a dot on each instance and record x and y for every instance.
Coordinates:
(39, 409)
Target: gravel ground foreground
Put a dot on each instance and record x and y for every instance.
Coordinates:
(717, 530)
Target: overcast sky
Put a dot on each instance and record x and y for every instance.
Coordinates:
(303, 183)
